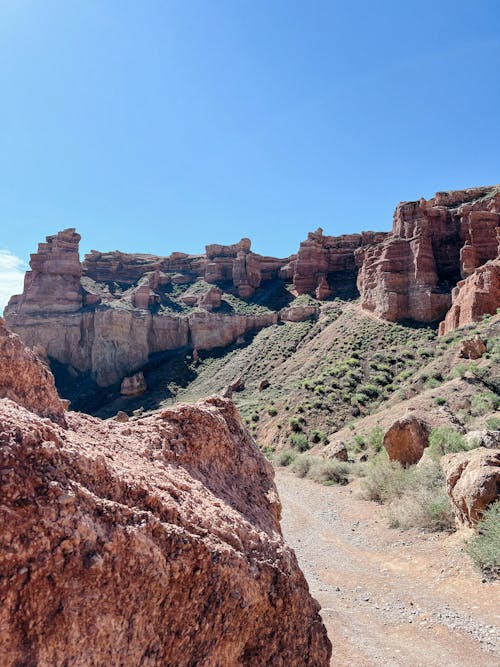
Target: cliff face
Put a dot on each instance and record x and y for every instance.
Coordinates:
(152, 542)
(108, 315)
(433, 245)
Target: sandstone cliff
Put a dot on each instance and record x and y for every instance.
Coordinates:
(111, 314)
(433, 245)
(154, 542)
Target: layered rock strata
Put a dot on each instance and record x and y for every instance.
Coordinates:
(152, 542)
(433, 245)
(110, 315)
(474, 297)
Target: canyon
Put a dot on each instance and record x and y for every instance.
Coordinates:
(113, 313)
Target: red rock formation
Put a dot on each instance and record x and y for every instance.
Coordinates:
(53, 284)
(25, 380)
(148, 542)
(326, 266)
(433, 243)
(133, 385)
(474, 297)
(406, 440)
(472, 482)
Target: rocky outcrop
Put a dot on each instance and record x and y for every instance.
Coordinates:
(326, 266)
(133, 385)
(433, 244)
(406, 440)
(153, 542)
(472, 348)
(112, 314)
(26, 380)
(474, 297)
(472, 482)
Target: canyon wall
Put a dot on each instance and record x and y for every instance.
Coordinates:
(433, 245)
(110, 314)
(151, 542)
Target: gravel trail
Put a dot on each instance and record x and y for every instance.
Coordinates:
(388, 598)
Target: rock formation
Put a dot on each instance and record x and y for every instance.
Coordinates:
(113, 313)
(472, 482)
(474, 297)
(153, 542)
(133, 385)
(406, 440)
(25, 380)
(433, 244)
(326, 266)
(472, 348)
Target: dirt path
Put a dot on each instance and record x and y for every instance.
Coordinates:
(388, 598)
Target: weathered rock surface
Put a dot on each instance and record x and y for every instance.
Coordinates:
(406, 440)
(433, 244)
(472, 482)
(109, 315)
(133, 385)
(326, 266)
(474, 297)
(338, 451)
(25, 380)
(472, 348)
(152, 542)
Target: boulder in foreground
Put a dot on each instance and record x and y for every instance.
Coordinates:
(152, 542)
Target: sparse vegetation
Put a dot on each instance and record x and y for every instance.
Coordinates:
(484, 549)
(445, 440)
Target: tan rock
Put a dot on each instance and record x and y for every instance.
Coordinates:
(337, 451)
(406, 440)
(472, 348)
(472, 482)
(133, 385)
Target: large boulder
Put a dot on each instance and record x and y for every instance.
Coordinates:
(406, 440)
(472, 348)
(155, 542)
(472, 482)
(134, 385)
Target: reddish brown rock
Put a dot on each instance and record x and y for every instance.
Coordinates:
(472, 482)
(25, 380)
(155, 542)
(472, 348)
(433, 244)
(326, 265)
(133, 385)
(406, 440)
(211, 299)
(474, 297)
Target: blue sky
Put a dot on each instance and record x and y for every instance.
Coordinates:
(165, 125)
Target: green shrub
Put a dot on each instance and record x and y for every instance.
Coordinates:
(485, 548)
(384, 479)
(299, 441)
(493, 424)
(285, 457)
(439, 400)
(375, 439)
(424, 504)
(301, 465)
(485, 402)
(318, 436)
(329, 472)
(272, 412)
(445, 440)
(295, 425)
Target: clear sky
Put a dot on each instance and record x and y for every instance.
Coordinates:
(162, 125)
